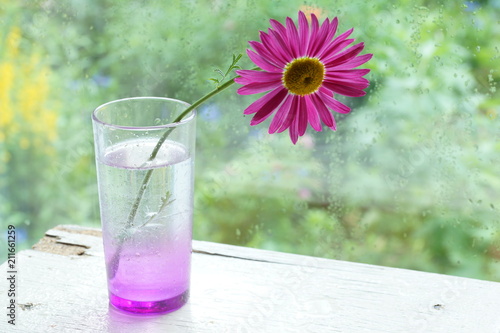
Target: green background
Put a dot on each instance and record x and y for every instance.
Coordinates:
(410, 179)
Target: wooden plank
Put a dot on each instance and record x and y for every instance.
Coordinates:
(72, 240)
(237, 289)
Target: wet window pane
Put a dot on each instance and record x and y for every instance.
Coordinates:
(409, 179)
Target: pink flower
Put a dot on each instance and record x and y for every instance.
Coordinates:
(302, 70)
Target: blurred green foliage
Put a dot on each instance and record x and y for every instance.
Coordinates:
(410, 178)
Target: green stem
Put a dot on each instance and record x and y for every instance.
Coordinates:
(145, 182)
(115, 260)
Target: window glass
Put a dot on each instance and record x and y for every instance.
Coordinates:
(410, 178)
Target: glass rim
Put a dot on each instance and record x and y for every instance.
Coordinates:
(190, 116)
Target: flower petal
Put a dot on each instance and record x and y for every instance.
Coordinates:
(258, 87)
(280, 34)
(261, 102)
(278, 27)
(294, 130)
(266, 54)
(325, 115)
(334, 48)
(287, 122)
(332, 103)
(330, 32)
(347, 73)
(313, 35)
(301, 118)
(293, 37)
(249, 75)
(355, 62)
(281, 115)
(343, 89)
(269, 106)
(345, 55)
(261, 62)
(283, 45)
(336, 45)
(324, 36)
(319, 40)
(274, 47)
(303, 34)
(355, 82)
(312, 114)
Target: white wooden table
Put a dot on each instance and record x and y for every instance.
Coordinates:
(236, 289)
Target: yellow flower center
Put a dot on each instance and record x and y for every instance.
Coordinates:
(303, 76)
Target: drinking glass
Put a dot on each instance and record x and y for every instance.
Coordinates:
(145, 162)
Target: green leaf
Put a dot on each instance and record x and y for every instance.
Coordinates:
(230, 69)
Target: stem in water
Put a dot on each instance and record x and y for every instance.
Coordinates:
(115, 260)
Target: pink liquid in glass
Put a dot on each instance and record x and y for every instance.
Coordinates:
(148, 263)
(154, 278)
